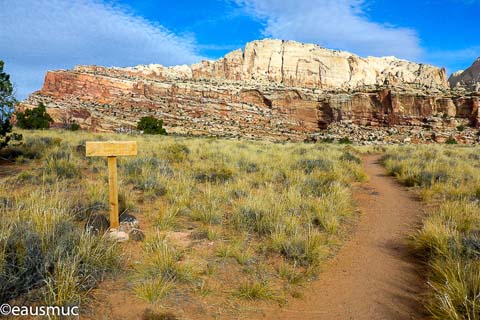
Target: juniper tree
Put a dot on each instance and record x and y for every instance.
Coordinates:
(7, 102)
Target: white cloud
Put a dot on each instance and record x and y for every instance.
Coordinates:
(339, 24)
(38, 35)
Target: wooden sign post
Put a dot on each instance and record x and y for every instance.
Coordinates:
(112, 149)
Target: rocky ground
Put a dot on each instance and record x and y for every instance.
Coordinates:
(346, 131)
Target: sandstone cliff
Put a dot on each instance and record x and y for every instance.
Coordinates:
(297, 64)
(468, 79)
(273, 89)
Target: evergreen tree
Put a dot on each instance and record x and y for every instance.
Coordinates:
(7, 103)
(36, 118)
(150, 125)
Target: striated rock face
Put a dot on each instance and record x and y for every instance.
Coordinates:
(307, 65)
(468, 79)
(273, 89)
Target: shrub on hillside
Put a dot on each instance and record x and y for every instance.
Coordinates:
(36, 118)
(345, 140)
(150, 125)
(73, 126)
(451, 140)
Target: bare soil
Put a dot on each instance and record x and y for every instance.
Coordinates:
(373, 276)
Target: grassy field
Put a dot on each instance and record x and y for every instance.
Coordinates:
(223, 219)
(448, 179)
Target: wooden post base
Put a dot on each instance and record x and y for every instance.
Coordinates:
(113, 186)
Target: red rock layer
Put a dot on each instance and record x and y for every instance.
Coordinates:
(103, 99)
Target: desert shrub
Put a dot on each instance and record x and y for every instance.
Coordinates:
(136, 166)
(149, 185)
(345, 140)
(36, 118)
(250, 218)
(42, 142)
(41, 248)
(26, 176)
(83, 209)
(471, 246)
(30, 148)
(62, 168)
(73, 126)
(350, 157)
(23, 264)
(449, 237)
(451, 140)
(148, 174)
(248, 167)
(214, 174)
(304, 249)
(150, 125)
(327, 140)
(176, 152)
(309, 165)
(317, 185)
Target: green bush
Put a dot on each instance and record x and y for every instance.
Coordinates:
(36, 118)
(150, 125)
(451, 140)
(345, 140)
(73, 126)
(7, 101)
(309, 165)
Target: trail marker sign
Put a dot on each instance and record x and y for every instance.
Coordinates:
(111, 150)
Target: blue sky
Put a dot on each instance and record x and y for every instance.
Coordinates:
(41, 35)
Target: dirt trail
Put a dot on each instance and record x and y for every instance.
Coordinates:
(373, 276)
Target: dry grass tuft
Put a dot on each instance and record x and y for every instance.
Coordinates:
(447, 177)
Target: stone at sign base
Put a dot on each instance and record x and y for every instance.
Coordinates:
(118, 236)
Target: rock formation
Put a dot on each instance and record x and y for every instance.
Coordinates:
(468, 79)
(281, 90)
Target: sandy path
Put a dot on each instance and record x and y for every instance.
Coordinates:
(373, 276)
